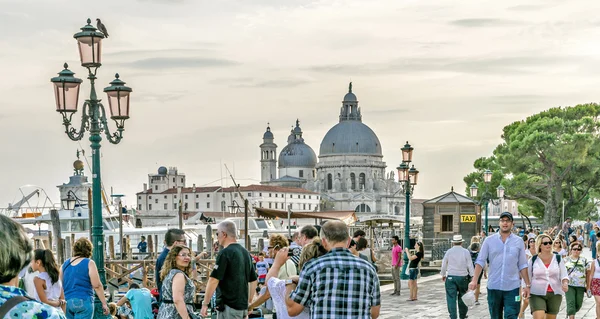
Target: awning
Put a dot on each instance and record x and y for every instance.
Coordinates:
(381, 219)
(348, 217)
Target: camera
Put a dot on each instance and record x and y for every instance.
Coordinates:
(294, 252)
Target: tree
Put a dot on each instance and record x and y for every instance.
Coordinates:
(547, 158)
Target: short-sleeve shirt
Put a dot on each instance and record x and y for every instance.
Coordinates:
(234, 270)
(415, 262)
(29, 309)
(262, 268)
(396, 252)
(576, 270)
(141, 303)
(160, 261)
(338, 285)
(142, 246)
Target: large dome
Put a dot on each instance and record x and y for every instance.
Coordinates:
(297, 155)
(350, 137)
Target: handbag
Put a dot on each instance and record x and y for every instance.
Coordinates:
(407, 271)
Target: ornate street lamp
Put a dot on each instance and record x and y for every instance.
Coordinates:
(94, 120)
(487, 197)
(68, 203)
(407, 177)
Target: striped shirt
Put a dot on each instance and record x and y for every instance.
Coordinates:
(338, 285)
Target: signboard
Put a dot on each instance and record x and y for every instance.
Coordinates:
(468, 218)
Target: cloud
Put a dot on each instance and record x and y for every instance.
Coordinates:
(207, 47)
(178, 63)
(477, 23)
(484, 65)
(387, 112)
(528, 7)
(161, 97)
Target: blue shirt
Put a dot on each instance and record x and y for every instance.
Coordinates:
(142, 246)
(141, 303)
(76, 279)
(29, 309)
(505, 260)
(160, 261)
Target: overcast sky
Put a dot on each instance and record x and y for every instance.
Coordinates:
(207, 76)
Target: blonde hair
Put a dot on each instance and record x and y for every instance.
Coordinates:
(278, 240)
(313, 250)
(171, 262)
(539, 239)
(475, 239)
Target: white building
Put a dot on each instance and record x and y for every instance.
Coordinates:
(350, 173)
(165, 190)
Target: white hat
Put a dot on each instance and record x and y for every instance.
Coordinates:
(457, 238)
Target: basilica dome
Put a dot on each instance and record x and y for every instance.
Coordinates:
(350, 137)
(296, 153)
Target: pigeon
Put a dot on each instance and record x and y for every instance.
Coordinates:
(101, 27)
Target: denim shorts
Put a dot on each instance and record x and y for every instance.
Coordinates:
(78, 308)
(413, 273)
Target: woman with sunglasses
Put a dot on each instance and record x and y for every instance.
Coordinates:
(529, 252)
(549, 280)
(557, 248)
(578, 271)
(178, 289)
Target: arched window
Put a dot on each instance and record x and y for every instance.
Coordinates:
(362, 208)
(397, 210)
(353, 181)
(223, 206)
(329, 182)
(361, 181)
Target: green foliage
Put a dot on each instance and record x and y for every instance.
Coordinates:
(547, 158)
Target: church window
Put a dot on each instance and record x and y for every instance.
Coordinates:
(249, 194)
(186, 196)
(291, 196)
(186, 206)
(165, 196)
(207, 205)
(155, 187)
(139, 197)
(149, 206)
(260, 204)
(361, 181)
(150, 197)
(362, 208)
(276, 195)
(223, 204)
(198, 205)
(397, 210)
(174, 205)
(301, 173)
(269, 194)
(298, 196)
(182, 180)
(304, 197)
(329, 182)
(197, 196)
(309, 197)
(313, 173)
(304, 206)
(269, 205)
(309, 206)
(353, 181)
(140, 207)
(222, 195)
(173, 179)
(165, 207)
(156, 200)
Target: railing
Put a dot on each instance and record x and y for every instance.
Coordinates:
(439, 248)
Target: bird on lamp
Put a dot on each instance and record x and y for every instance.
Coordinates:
(101, 27)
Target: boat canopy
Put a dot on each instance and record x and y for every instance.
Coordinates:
(348, 217)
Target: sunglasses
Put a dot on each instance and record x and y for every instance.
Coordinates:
(578, 249)
(546, 243)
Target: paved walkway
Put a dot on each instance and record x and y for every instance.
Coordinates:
(432, 301)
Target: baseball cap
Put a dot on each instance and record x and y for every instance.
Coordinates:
(506, 214)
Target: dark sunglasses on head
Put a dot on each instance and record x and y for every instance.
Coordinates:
(546, 243)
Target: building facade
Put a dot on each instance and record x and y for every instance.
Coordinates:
(166, 190)
(349, 174)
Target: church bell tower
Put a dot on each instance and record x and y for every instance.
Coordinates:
(268, 161)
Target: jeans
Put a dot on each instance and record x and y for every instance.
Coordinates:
(78, 308)
(396, 277)
(456, 287)
(507, 302)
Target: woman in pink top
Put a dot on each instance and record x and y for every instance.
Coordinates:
(396, 264)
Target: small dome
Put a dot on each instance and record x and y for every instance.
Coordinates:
(350, 137)
(350, 97)
(297, 155)
(268, 134)
(78, 165)
(162, 170)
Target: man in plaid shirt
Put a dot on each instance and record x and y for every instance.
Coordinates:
(338, 284)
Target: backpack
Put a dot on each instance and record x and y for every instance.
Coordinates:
(533, 259)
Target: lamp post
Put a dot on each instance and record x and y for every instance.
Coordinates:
(407, 177)
(487, 197)
(94, 120)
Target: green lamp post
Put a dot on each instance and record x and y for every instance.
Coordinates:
(407, 177)
(487, 197)
(94, 120)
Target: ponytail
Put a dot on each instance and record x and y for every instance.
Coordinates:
(49, 263)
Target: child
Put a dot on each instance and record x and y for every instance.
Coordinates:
(112, 309)
(262, 268)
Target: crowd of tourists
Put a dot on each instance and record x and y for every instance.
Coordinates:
(526, 269)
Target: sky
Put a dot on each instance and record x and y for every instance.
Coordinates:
(207, 77)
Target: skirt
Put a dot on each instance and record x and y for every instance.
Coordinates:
(595, 286)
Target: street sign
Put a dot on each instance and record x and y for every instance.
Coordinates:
(468, 218)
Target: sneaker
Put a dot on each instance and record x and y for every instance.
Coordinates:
(477, 303)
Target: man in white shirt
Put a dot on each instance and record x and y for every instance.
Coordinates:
(457, 267)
